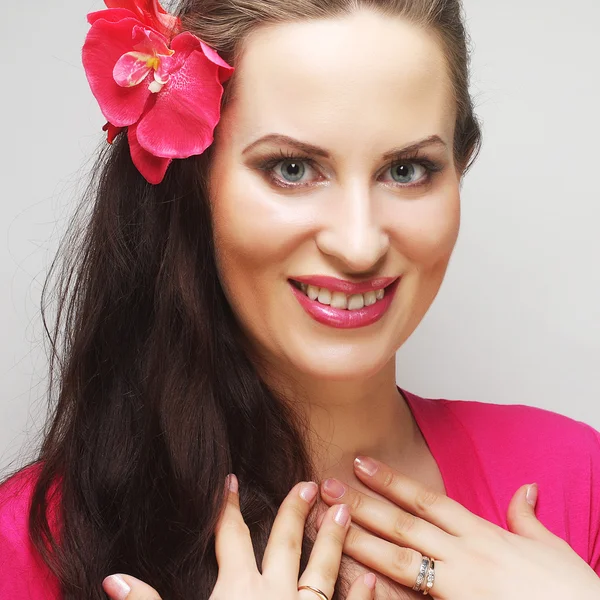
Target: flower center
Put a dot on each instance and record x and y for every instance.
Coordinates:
(153, 62)
(151, 55)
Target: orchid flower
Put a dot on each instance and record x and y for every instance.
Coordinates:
(166, 91)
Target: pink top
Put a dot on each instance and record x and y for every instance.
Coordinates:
(485, 452)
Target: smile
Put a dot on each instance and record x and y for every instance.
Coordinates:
(342, 310)
(339, 299)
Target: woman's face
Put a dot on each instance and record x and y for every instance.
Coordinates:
(316, 173)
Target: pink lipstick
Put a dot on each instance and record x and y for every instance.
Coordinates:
(343, 318)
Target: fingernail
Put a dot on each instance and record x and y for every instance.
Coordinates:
(370, 581)
(232, 483)
(308, 491)
(532, 494)
(367, 465)
(116, 587)
(334, 488)
(342, 514)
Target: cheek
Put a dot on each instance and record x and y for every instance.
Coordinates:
(256, 228)
(255, 233)
(426, 230)
(248, 234)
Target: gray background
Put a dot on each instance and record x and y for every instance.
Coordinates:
(518, 317)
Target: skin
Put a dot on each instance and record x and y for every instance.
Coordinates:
(347, 220)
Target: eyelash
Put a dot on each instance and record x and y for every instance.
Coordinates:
(269, 162)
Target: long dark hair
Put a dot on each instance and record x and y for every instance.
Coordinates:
(153, 397)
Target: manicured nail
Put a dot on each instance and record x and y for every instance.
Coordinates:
(308, 491)
(532, 494)
(370, 581)
(116, 587)
(366, 465)
(334, 488)
(342, 514)
(232, 483)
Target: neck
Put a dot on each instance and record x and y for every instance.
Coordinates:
(355, 417)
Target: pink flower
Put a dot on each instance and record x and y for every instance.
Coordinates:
(151, 13)
(113, 132)
(167, 92)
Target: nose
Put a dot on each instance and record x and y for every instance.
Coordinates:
(354, 234)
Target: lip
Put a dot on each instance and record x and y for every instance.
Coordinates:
(347, 287)
(347, 319)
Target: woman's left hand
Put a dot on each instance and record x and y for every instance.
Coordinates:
(474, 559)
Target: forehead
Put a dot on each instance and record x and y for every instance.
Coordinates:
(360, 80)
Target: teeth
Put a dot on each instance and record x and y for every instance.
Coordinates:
(339, 299)
(324, 296)
(357, 301)
(371, 298)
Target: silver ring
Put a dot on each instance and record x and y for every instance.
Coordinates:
(422, 573)
(430, 578)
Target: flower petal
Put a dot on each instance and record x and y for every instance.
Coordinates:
(151, 167)
(113, 15)
(226, 70)
(149, 41)
(165, 68)
(186, 42)
(181, 47)
(113, 132)
(105, 44)
(132, 68)
(187, 110)
(151, 13)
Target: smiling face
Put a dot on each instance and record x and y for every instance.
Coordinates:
(335, 158)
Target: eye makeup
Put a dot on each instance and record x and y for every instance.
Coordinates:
(269, 163)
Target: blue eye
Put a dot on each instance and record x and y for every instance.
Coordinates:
(405, 172)
(296, 172)
(291, 170)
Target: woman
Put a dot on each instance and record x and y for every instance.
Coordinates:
(233, 315)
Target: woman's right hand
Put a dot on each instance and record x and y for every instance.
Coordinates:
(239, 577)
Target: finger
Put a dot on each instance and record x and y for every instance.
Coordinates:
(121, 587)
(522, 520)
(399, 564)
(284, 548)
(233, 545)
(387, 521)
(396, 562)
(447, 514)
(363, 588)
(324, 563)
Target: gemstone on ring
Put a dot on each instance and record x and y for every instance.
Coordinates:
(430, 578)
(422, 573)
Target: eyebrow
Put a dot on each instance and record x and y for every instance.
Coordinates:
(433, 140)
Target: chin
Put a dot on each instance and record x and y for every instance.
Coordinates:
(340, 362)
